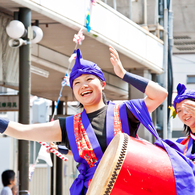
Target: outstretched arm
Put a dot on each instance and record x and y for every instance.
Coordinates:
(44, 132)
(155, 93)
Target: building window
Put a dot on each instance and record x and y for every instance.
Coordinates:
(190, 79)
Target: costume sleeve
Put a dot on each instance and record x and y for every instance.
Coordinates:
(65, 140)
(3, 124)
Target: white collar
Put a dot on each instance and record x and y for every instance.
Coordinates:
(192, 136)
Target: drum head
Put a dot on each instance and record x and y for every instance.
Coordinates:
(109, 166)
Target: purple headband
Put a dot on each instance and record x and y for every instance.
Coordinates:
(182, 94)
(82, 66)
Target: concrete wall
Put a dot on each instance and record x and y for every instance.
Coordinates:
(137, 9)
(132, 41)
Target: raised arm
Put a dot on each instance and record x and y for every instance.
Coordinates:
(155, 93)
(44, 132)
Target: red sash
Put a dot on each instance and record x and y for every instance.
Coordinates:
(83, 144)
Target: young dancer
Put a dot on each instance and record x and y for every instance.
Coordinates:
(184, 104)
(89, 133)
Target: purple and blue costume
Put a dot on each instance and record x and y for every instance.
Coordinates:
(183, 167)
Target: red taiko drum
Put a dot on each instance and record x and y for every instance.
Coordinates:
(131, 166)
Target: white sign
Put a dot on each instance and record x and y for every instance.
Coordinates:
(9, 103)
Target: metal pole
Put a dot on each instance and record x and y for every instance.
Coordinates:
(52, 158)
(130, 9)
(156, 13)
(165, 60)
(114, 4)
(52, 176)
(156, 17)
(163, 78)
(24, 104)
(59, 162)
(145, 12)
(170, 72)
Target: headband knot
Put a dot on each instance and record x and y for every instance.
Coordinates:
(181, 89)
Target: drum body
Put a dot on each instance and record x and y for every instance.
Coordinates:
(131, 166)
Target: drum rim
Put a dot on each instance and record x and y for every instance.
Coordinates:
(118, 166)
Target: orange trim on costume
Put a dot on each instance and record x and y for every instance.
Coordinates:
(185, 142)
(117, 120)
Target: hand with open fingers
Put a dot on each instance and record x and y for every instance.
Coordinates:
(190, 105)
(115, 60)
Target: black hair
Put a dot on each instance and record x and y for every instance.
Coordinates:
(7, 176)
(187, 130)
